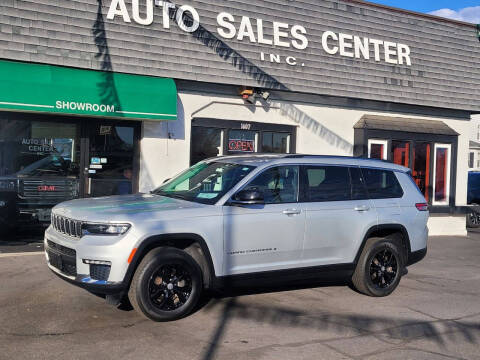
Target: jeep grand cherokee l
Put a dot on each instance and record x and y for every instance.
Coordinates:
(233, 219)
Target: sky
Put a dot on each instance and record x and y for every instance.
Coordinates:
(464, 10)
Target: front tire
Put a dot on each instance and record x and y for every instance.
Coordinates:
(167, 285)
(380, 267)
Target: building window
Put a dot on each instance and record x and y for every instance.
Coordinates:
(471, 159)
(441, 182)
(206, 143)
(215, 137)
(377, 149)
(401, 152)
(275, 142)
(421, 167)
(242, 141)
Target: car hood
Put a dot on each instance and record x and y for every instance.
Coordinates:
(125, 208)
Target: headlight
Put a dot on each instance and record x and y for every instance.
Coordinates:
(104, 229)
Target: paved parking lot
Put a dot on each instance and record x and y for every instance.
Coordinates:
(434, 314)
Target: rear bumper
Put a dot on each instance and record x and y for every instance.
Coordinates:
(416, 256)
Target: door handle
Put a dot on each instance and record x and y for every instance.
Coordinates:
(361, 208)
(292, 212)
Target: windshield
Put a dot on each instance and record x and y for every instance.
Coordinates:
(204, 182)
(50, 165)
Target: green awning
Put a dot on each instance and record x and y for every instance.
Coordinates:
(55, 89)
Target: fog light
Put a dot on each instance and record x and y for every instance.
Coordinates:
(3, 203)
(96, 262)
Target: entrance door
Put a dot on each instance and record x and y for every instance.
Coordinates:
(109, 159)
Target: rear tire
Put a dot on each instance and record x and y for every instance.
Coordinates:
(380, 267)
(167, 285)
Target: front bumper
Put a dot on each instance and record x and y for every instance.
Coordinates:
(67, 256)
(99, 287)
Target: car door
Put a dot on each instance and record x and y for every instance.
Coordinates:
(267, 236)
(385, 191)
(338, 214)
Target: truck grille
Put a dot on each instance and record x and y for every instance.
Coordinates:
(67, 226)
(48, 189)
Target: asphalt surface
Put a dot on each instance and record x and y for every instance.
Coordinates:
(434, 314)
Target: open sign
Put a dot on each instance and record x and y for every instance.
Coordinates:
(46, 188)
(241, 145)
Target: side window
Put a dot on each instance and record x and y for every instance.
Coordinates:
(382, 184)
(278, 184)
(327, 183)
(359, 191)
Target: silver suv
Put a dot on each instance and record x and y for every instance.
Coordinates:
(236, 220)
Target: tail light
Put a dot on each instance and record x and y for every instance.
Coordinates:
(421, 206)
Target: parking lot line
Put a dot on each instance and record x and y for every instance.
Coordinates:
(21, 254)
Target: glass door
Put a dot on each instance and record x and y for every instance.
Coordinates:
(110, 152)
(421, 167)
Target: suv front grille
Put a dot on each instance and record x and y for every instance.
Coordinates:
(67, 226)
(62, 258)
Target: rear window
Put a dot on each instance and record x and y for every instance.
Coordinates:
(382, 184)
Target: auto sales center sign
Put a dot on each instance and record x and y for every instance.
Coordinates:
(244, 28)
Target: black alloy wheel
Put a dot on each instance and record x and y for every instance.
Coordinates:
(383, 269)
(170, 287)
(473, 219)
(167, 284)
(380, 266)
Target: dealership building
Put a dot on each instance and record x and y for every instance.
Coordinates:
(102, 97)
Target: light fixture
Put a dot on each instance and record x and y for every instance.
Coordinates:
(265, 95)
(96, 262)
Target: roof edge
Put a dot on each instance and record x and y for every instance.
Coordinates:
(410, 12)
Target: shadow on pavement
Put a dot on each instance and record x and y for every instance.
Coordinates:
(436, 330)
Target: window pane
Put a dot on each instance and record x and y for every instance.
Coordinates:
(241, 141)
(359, 191)
(274, 142)
(267, 142)
(441, 171)
(400, 152)
(471, 160)
(206, 143)
(382, 184)
(39, 167)
(376, 151)
(327, 183)
(421, 167)
(279, 184)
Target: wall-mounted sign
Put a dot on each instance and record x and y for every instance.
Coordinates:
(241, 145)
(255, 31)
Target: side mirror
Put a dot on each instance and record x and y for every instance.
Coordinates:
(247, 197)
